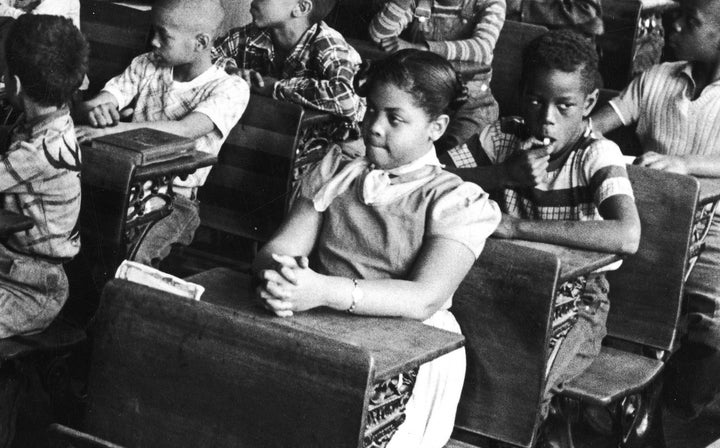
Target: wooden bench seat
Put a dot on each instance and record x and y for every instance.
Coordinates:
(614, 374)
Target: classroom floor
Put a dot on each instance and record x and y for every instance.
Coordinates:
(700, 433)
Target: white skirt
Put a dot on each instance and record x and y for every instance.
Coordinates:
(430, 411)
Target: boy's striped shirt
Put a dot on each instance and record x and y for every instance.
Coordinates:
(593, 171)
(478, 47)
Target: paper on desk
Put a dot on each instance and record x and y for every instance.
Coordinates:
(145, 275)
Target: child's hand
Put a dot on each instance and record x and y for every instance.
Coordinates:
(265, 86)
(290, 287)
(673, 164)
(528, 167)
(102, 115)
(393, 44)
(286, 265)
(86, 134)
(507, 227)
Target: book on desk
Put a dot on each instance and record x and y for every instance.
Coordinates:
(144, 146)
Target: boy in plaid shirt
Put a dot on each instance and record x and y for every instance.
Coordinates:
(40, 170)
(176, 89)
(289, 53)
(560, 183)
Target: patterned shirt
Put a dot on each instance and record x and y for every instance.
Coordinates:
(318, 73)
(157, 97)
(594, 170)
(668, 120)
(481, 22)
(65, 8)
(40, 178)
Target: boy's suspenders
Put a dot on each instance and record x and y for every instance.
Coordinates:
(423, 10)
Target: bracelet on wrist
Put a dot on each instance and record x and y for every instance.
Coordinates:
(357, 296)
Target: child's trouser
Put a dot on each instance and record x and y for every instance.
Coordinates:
(32, 292)
(692, 379)
(176, 228)
(583, 342)
(480, 110)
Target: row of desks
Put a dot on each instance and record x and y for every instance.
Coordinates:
(414, 343)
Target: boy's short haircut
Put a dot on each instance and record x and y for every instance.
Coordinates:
(562, 50)
(206, 19)
(49, 55)
(320, 9)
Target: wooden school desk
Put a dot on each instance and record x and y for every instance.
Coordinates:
(707, 207)
(505, 307)
(396, 345)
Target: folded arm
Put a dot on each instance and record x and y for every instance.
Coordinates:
(618, 232)
(438, 270)
(193, 125)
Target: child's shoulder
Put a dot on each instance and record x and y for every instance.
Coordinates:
(600, 152)
(449, 187)
(667, 70)
(325, 36)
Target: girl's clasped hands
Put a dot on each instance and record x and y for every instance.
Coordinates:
(290, 286)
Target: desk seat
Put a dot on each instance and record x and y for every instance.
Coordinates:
(614, 374)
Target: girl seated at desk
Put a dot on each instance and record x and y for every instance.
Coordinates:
(391, 234)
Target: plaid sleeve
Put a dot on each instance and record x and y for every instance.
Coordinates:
(228, 47)
(391, 20)
(480, 46)
(125, 86)
(604, 168)
(332, 90)
(497, 145)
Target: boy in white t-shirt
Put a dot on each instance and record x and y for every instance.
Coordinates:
(176, 89)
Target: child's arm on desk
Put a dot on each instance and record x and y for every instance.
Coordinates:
(696, 165)
(193, 125)
(606, 119)
(619, 232)
(291, 286)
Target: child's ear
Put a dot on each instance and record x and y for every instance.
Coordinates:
(438, 126)
(203, 41)
(15, 85)
(590, 101)
(302, 8)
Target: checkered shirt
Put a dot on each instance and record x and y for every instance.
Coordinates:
(157, 97)
(318, 73)
(593, 171)
(40, 178)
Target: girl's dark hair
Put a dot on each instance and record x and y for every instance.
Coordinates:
(49, 55)
(428, 77)
(563, 50)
